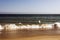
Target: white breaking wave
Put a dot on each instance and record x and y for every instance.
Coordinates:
(1, 28)
(58, 24)
(47, 26)
(15, 27)
(11, 27)
(33, 26)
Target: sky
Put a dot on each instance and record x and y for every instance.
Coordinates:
(30, 6)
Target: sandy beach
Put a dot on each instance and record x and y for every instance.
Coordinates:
(43, 37)
(30, 35)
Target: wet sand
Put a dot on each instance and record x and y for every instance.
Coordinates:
(45, 37)
(30, 35)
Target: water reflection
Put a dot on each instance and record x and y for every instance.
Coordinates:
(26, 33)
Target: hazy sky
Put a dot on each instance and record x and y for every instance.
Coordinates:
(35, 6)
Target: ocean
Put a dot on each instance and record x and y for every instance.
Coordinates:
(29, 18)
